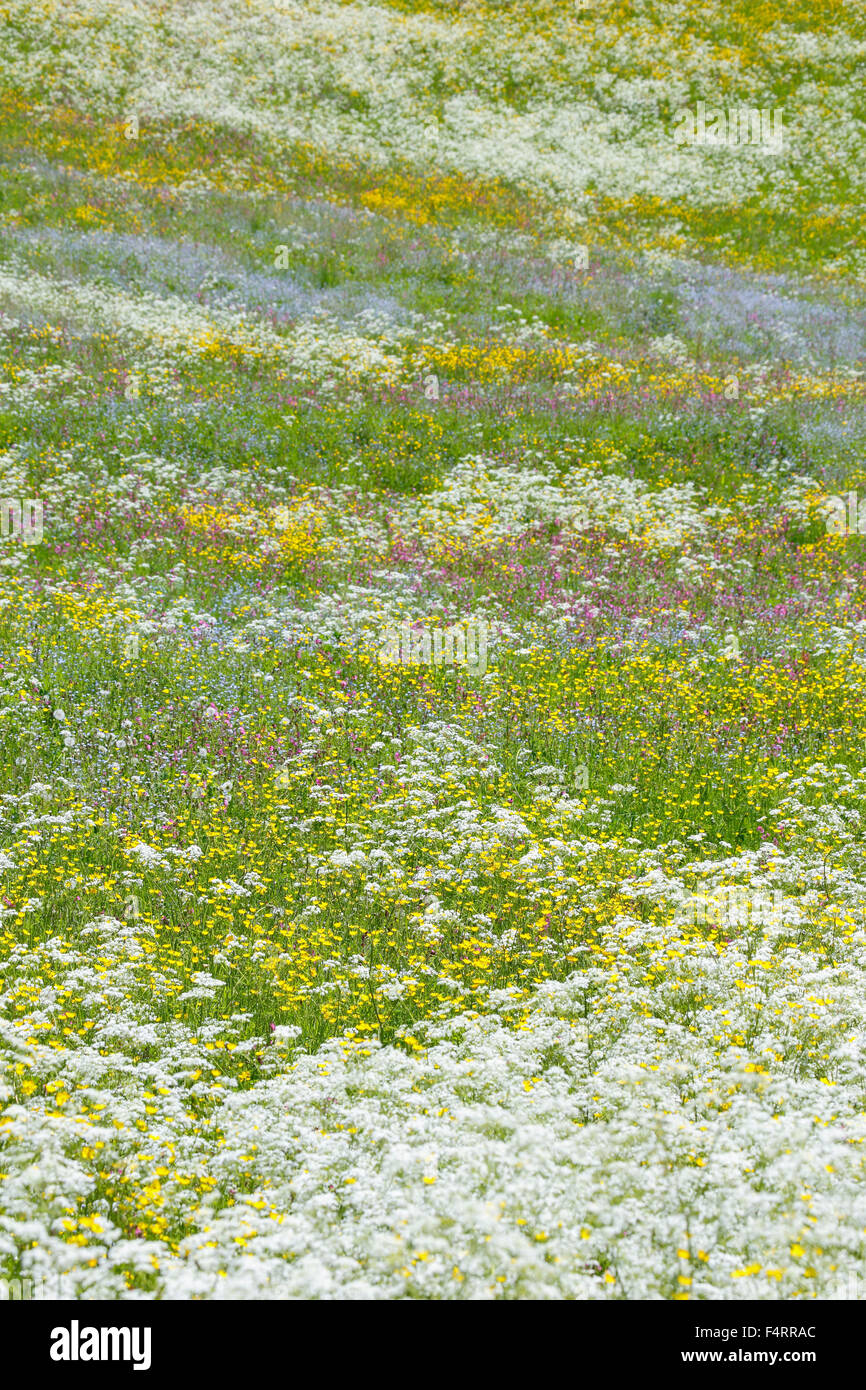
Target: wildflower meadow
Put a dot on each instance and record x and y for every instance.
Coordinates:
(432, 650)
